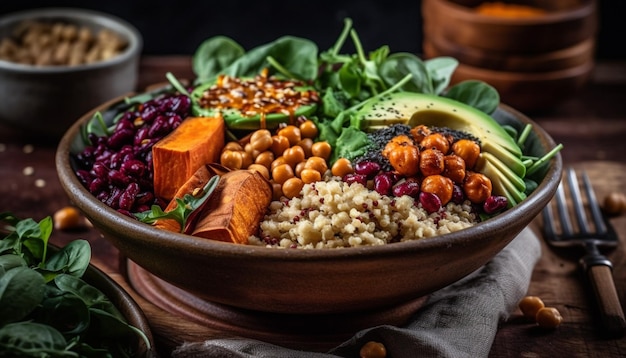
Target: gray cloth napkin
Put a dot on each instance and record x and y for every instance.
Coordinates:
(460, 320)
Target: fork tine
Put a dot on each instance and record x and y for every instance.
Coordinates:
(598, 219)
(561, 206)
(577, 201)
(549, 228)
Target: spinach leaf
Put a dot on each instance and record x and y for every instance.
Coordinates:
(72, 259)
(91, 296)
(440, 70)
(65, 312)
(477, 94)
(400, 64)
(21, 290)
(30, 339)
(213, 55)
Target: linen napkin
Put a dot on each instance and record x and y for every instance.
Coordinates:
(459, 320)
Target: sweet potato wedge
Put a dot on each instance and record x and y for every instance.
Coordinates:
(198, 180)
(236, 207)
(196, 142)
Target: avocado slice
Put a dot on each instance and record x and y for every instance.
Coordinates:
(417, 108)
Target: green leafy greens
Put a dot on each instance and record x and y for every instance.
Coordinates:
(46, 308)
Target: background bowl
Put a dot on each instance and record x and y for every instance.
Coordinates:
(45, 100)
(529, 60)
(309, 281)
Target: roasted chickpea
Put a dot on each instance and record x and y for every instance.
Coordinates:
(261, 169)
(316, 163)
(246, 159)
(294, 155)
(298, 169)
(615, 203)
(341, 167)
(308, 129)
(231, 159)
(373, 349)
(67, 218)
(281, 173)
(292, 187)
(261, 140)
(548, 317)
(454, 168)
(530, 305)
(435, 141)
(419, 132)
(468, 150)
(250, 149)
(307, 146)
(310, 175)
(438, 185)
(431, 162)
(266, 158)
(292, 133)
(279, 145)
(321, 149)
(477, 187)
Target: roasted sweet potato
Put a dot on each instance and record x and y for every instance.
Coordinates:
(196, 142)
(236, 207)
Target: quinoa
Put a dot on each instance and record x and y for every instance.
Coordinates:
(335, 214)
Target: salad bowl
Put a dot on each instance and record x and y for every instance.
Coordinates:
(310, 282)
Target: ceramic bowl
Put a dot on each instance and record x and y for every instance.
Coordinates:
(44, 101)
(309, 282)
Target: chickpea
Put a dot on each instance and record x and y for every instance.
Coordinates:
(277, 191)
(279, 145)
(530, 305)
(292, 133)
(261, 140)
(281, 173)
(231, 159)
(438, 185)
(299, 167)
(419, 132)
(261, 169)
(431, 162)
(454, 168)
(477, 187)
(266, 158)
(403, 155)
(316, 163)
(233, 146)
(341, 167)
(321, 149)
(250, 149)
(436, 141)
(468, 150)
(615, 203)
(294, 155)
(548, 317)
(278, 161)
(246, 159)
(292, 187)
(308, 129)
(67, 218)
(307, 145)
(373, 349)
(310, 175)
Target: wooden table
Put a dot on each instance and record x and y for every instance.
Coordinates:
(592, 126)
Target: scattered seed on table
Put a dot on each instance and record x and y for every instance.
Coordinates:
(40, 183)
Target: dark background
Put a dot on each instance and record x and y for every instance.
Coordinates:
(178, 27)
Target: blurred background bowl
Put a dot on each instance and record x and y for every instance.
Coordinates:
(535, 61)
(44, 101)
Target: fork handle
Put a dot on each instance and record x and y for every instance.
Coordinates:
(600, 276)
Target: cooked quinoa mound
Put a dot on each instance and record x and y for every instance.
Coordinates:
(335, 214)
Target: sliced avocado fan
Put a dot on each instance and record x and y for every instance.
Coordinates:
(500, 157)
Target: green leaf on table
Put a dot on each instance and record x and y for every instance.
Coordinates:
(21, 290)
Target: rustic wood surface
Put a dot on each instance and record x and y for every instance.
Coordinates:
(592, 126)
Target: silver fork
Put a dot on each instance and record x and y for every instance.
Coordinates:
(597, 267)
